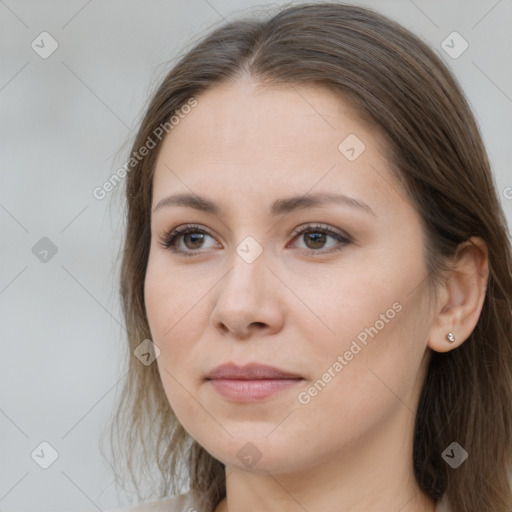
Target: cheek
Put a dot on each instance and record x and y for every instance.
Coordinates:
(344, 307)
(172, 299)
(372, 382)
(176, 309)
(174, 323)
(373, 339)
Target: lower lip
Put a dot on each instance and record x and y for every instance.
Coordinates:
(251, 390)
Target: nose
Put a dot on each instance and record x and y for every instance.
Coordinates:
(248, 300)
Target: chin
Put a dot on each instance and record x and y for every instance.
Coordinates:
(256, 454)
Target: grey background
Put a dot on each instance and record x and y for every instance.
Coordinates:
(64, 124)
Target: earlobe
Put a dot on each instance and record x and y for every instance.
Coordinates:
(462, 297)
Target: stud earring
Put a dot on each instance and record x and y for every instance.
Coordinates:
(450, 337)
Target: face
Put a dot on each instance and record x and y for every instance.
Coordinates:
(328, 287)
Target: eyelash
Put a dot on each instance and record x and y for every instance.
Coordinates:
(169, 239)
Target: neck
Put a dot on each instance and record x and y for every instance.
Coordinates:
(374, 473)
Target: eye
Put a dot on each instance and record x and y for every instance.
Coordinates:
(185, 240)
(316, 237)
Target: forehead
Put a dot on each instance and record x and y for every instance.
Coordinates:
(247, 138)
(236, 114)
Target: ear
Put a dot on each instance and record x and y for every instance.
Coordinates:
(461, 296)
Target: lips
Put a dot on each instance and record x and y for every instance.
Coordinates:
(250, 383)
(252, 371)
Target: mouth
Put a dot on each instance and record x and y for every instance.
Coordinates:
(250, 382)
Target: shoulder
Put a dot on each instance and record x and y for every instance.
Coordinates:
(187, 502)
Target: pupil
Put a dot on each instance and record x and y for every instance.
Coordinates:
(318, 239)
(194, 237)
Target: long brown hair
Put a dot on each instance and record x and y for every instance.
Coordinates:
(397, 83)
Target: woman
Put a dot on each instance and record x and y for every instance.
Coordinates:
(316, 278)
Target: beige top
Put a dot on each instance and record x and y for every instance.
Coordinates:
(190, 502)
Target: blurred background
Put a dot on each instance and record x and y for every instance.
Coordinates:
(74, 80)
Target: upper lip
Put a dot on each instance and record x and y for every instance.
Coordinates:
(251, 371)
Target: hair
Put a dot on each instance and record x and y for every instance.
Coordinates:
(394, 81)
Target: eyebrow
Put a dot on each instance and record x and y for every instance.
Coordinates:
(279, 207)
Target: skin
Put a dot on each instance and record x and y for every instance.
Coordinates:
(350, 447)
